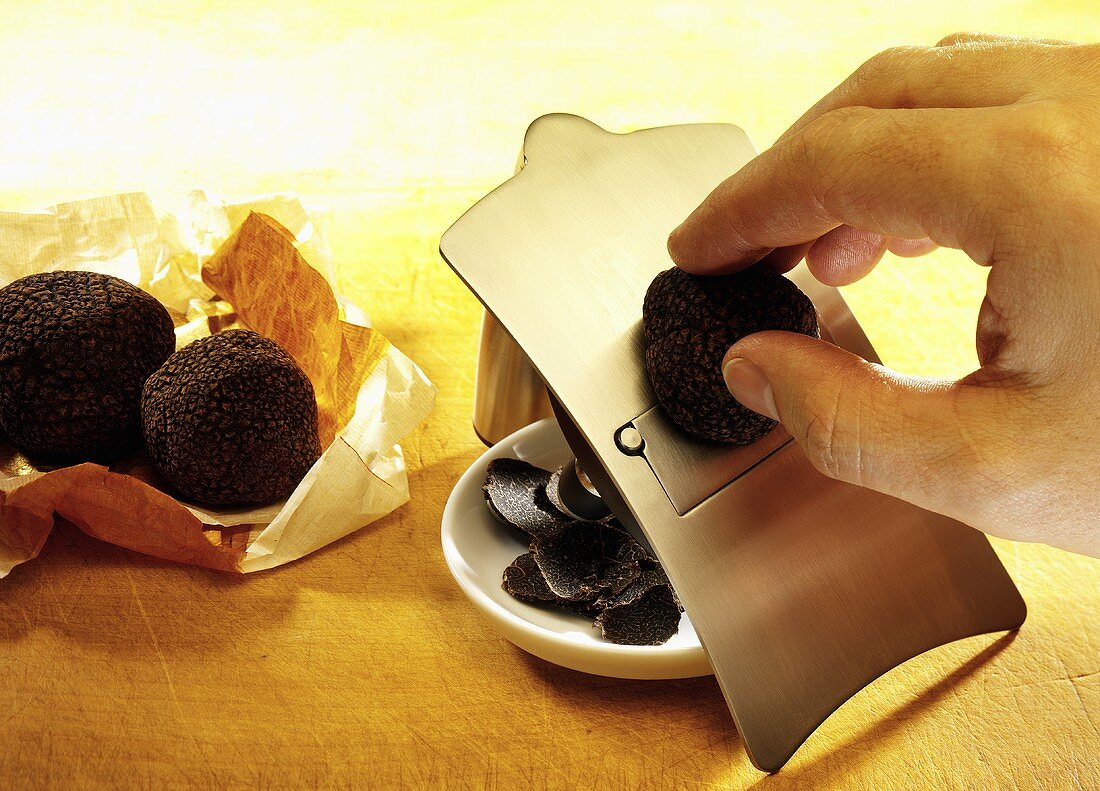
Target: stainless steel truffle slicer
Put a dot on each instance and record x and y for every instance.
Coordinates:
(802, 590)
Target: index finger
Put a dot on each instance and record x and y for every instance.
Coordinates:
(905, 174)
(962, 70)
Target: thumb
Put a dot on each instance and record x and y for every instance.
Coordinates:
(862, 423)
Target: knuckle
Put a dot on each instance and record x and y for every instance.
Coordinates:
(988, 420)
(959, 37)
(1055, 129)
(828, 150)
(884, 68)
(826, 132)
(1046, 139)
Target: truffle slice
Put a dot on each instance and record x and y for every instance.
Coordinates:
(585, 559)
(515, 492)
(553, 492)
(647, 579)
(649, 619)
(75, 351)
(690, 321)
(595, 569)
(524, 581)
(231, 420)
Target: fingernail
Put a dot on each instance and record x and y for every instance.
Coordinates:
(748, 384)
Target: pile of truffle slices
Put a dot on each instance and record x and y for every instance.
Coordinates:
(89, 372)
(595, 569)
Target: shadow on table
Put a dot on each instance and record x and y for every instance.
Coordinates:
(646, 700)
(88, 590)
(93, 593)
(847, 760)
(98, 594)
(698, 700)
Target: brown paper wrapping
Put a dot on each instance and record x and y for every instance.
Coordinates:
(293, 305)
(369, 395)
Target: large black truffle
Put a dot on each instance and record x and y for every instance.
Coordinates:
(231, 420)
(75, 351)
(690, 322)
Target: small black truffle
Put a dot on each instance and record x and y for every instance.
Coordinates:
(231, 420)
(690, 321)
(75, 351)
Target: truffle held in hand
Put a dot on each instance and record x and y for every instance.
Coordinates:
(231, 420)
(690, 322)
(75, 351)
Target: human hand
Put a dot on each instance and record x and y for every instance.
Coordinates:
(985, 144)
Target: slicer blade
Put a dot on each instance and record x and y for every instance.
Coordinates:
(802, 589)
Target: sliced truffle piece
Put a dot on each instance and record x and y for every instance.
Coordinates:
(675, 596)
(650, 619)
(515, 492)
(231, 420)
(658, 576)
(690, 321)
(553, 494)
(75, 351)
(587, 607)
(648, 578)
(524, 581)
(585, 559)
(570, 560)
(623, 567)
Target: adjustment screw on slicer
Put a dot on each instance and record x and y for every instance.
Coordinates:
(630, 440)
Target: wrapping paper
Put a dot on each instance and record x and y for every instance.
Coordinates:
(262, 264)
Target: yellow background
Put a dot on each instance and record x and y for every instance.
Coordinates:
(364, 665)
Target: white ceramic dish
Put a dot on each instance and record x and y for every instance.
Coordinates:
(478, 548)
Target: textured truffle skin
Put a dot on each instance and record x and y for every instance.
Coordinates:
(231, 420)
(690, 321)
(75, 351)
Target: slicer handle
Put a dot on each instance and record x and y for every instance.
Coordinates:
(509, 393)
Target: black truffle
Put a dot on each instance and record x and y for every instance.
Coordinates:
(690, 321)
(75, 351)
(231, 420)
(553, 490)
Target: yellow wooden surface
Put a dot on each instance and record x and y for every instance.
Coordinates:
(363, 665)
